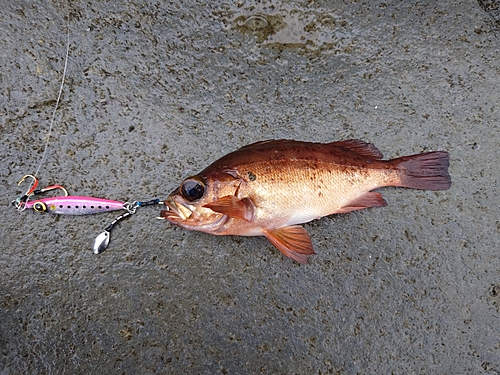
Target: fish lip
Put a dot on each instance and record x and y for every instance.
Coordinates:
(171, 206)
(176, 210)
(174, 213)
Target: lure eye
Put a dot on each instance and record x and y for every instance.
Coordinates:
(193, 188)
(40, 207)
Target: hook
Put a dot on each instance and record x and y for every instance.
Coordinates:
(52, 187)
(33, 187)
(21, 202)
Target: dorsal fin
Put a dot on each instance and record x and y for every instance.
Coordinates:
(360, 147)
(267, 141)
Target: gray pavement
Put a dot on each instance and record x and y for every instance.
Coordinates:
(157, 90)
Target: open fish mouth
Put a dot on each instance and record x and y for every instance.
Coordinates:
(179, 214)
(175, 211)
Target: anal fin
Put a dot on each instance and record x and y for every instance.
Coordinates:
(369, 199)
(293, 241)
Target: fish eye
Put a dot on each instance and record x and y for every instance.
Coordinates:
(39, 207)
(193, 188)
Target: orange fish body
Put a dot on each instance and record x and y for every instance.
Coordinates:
(268, 188)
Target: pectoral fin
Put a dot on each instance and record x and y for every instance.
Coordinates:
(293, 241)
(233, 207)
(370, 199)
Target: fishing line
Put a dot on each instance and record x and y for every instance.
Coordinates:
(52, 121)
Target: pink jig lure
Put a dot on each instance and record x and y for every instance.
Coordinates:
(75, 205)
(78, 205)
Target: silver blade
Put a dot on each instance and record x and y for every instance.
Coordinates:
(101, 242)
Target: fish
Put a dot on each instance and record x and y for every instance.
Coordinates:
(270, 187)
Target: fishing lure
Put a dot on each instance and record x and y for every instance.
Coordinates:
(77, 205)
(73, 205)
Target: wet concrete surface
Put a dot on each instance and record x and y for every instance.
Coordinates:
(157, 90)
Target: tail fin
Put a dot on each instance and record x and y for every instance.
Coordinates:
(427, 171)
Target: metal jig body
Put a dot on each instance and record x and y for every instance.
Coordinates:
(75, 205)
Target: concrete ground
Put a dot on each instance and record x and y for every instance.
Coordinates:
(157, 90)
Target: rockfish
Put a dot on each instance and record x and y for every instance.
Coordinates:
(267, 188)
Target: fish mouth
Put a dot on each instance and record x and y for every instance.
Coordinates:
(176, 211)
(181, 214)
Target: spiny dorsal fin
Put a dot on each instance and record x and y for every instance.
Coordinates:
(360, 147)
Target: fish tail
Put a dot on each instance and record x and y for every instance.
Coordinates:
(427, 171)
